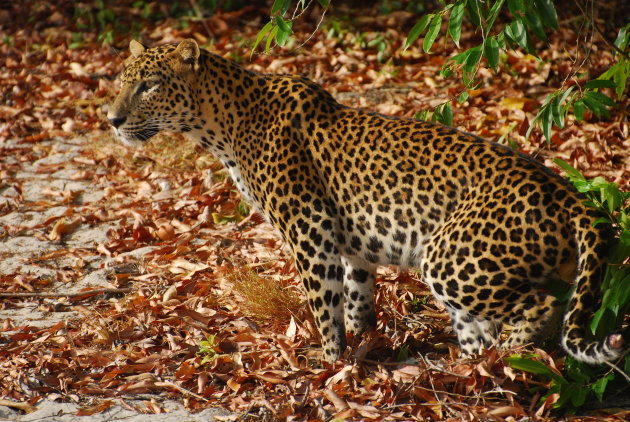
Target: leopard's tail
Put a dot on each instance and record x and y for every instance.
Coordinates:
(593, 244)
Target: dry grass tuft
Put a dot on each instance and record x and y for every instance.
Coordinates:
(265, 299)
(170, 152)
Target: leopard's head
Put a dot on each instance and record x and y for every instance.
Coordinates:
(157, 92)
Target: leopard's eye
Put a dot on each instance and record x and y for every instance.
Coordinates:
(145, 86)
(142, 87)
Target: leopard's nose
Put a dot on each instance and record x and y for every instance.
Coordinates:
(117, 121)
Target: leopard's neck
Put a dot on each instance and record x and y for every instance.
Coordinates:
(226, 95)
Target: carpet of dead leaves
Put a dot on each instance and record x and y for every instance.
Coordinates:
(211, 312)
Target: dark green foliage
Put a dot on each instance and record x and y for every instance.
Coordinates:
(528, 20)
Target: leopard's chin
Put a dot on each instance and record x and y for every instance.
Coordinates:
(130, 142)
(135, 139)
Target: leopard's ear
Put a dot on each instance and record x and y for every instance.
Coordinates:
(136, 48)
(188, 51)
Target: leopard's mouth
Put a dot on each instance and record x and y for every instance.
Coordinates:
(136, 138)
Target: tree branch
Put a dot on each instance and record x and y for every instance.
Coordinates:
(69, 294)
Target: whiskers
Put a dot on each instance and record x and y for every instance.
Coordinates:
(139, 133)
(142, 131)
(147, 133)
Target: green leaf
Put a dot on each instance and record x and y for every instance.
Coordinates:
(447, 114)
(282, 36)
(566, 94)
(578, 110)
(599, 83)
(517, 7)
(619, 73)
(243, 208)
(556, 113)
(422, 115)
(622, 39)
(506, 134)
(473, 12)
(474, 56)
(599, 387)
(283, 25)
(611, 196)
(594, 102)
(417, 30)
(324, 3)
(594, 105)
(463, 97)
(603, 321)
(545, 119)
(492, 15)
(622, 250)
(491, 51)
(261, 34)
(571, 172)
(516, 31)
(501, 40)
(532, 21)
(534, 367)
(446, 71)
(461, 57)
(623, 292)
(579, 396)
(432, 33)
(270, 38)
(280, 7)
(437, 114)
(284, 31)
(602, 98)
(547, 13)
(455, 22)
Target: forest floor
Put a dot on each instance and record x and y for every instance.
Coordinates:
(137, 284)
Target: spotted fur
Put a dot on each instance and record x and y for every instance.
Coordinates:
(491, 229)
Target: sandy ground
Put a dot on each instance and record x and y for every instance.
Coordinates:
(24, 239)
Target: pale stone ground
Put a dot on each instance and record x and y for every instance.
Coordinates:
(15, 252)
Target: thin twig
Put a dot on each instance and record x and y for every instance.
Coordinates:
(314, 32)
(435, 367)
(428, 365)
(375, 362)
(244, 414)
(166, 383)
(294, 17)
(68, 294)
(599, 31)
(200, 18)
(617, 369)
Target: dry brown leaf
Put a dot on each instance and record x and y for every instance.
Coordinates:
(63, 227)
(23, 406)
(273, 376)
(94, 409)
(339, 403)
(506, 411)
(169, 294)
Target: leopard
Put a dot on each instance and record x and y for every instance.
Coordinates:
(494, 233)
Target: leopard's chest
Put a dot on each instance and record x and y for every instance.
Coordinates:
(237, 178)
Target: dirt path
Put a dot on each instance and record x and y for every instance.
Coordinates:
(51, 245)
